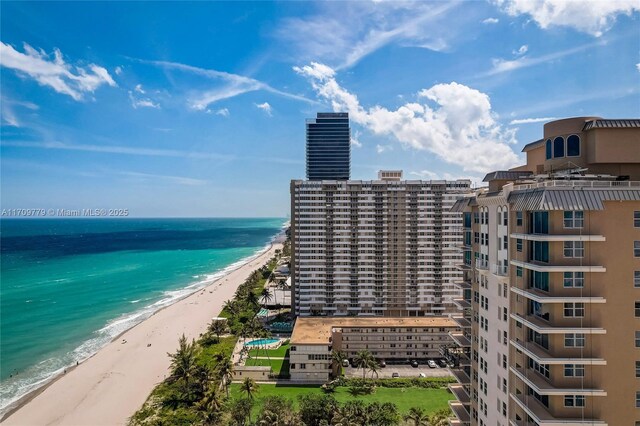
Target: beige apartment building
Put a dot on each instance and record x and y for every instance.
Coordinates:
(388, 339)
(386, 247)
(551, 288)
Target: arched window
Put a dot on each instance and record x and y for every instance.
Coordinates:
(548, 149)
(573, 146)
(558, 147)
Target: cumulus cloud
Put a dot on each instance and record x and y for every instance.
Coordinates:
(454, 122)
(265, 107)
(54, 72)
(592, 17)
(532, 120)
(491, 21)
(430, 175)
(638, 66)
(355, 139)
(383, 148)
(141, 102)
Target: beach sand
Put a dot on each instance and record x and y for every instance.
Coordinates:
(111, 386)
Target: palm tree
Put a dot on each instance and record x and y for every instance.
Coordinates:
(252, 299)
(183, 362)
(338, 357)
(265, 296)
(364, 360)
(417, 417)
(373, 367)
(249, 386)
(231, 306)
(225, 369)
(210, 405)
(440, 418)
(218, 327)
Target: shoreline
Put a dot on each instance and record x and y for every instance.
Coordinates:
(37, 396)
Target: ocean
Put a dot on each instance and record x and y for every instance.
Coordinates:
(69, 286)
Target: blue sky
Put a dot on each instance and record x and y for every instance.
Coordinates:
(197, 109)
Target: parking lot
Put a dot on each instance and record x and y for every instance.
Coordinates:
(402, 370)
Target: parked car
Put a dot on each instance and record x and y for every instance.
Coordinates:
(395, 375)
(432, 364)
(443, 363)
(345, 362)
(422, 375)
(414, 363)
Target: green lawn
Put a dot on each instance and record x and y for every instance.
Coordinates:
(429, 399)
(281, 352)
(278, 365)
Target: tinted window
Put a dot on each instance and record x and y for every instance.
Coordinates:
(558, 147)
(548, 148)
(573, 146)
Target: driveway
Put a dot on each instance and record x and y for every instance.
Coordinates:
(402, 370)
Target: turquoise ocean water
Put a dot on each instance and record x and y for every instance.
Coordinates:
(68, 287)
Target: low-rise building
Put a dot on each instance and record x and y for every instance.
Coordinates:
(390, 339)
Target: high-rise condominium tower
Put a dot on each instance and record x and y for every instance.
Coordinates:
(384, 247)
(328, 146)
(552, 284)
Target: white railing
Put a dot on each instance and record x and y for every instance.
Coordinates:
(482, 264)
(498, 269)
(580, 184)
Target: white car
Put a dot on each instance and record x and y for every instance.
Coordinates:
(432, 364)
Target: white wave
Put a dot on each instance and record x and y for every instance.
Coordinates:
(14, 388)
(135, 301)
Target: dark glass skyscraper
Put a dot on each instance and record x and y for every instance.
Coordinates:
(328, 146)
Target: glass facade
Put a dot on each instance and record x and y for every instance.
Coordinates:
(328, 147)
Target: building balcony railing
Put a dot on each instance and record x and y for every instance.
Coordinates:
(462, 285)
(543, 327)
(542, 356)
(544, 297)
(541, 415)
(543, 267)
(461, 412)
(461, 376)
(462, 321)
(579, 184)
(460, 393)
(482, 264)
(500, 270)
(461, 303)
(460, 339)
(543, 387)
(558, 237)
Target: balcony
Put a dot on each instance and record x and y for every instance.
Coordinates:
(461, 376)
(536, 382)
(558, 237)
(543, 327)
(460, 339)
(482, 264)
(462, 285)
(544, 297)
(542, 356)
(460, 393)
(462, 322)
(540, 414)
(460, 411)
(461, 303)
(543, 267)
(500, 270)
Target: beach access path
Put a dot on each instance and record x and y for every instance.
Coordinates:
(111, 386)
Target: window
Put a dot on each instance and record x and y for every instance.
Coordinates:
(573, 146)
(636, 219)
(574, 340)
(637, 339)
(548, 149)
(558, 147)
(539, 280)
(574, 401)
(505, 219)
(574, 310)
(574, 279)
(540, 368)
(519, 245)
(637, 399)
(636, 249)
(576, 248)
(637, 369)
(518, 271)
(573, 370)
(637, 309)
(518, 218)
(636, 278)
(574, 219)
(540, 251)
(539, 223)
(505, 242)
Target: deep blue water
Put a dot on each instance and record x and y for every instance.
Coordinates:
(69, 286)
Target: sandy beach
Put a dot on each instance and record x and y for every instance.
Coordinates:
(109, 387)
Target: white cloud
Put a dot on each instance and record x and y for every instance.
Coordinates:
(343, 33)
(118, 70)
(154, 178)
(521, 51)
(532, 120)
(265, 107)
(491, 21)
(638, 66)
(594, 17)
(222, 111)
(430, 175)
(9, 116)
(355, 139)
(142, 102)
(455, 122)
(234, 85)
(54, 72)
(383, 148)
(139, 89)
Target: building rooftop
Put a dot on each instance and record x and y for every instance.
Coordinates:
(317, 330)
(614, 123)
(507, 175)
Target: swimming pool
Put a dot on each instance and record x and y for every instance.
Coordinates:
(261, 342)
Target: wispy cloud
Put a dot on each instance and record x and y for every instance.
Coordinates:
(455, 122)
(139, 89)
(137, 102)
(521, 51)
(531, 120)
(430, 175)
(355, 139)
(592, 17)
(167, 179)
(235, 85)
(491, 21)
(54, 72)
(265, 107)
(9, 116)
(344, 33)
(224, 112)
(383, 148)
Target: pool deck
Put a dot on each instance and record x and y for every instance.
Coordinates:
(237, 357)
